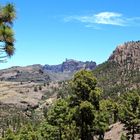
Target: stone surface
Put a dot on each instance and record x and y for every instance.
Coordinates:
(127, 55)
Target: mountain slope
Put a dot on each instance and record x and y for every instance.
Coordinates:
(31, 73)
(122, 70)
(70, 66)
(46, 73)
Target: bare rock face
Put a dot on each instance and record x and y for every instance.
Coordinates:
(121, 73)
(127, 55)
(70, 66)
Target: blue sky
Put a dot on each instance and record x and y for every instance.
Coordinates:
(49, 31)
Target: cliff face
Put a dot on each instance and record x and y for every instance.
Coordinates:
(70, 66)
(127, 55)
(121, 72)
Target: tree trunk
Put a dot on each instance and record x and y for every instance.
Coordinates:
(84, 132)
(60, 133)
(101, 136)
(133, 133)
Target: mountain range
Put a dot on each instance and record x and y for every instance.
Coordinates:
(46, 73)
(120, 73)
(30, 89)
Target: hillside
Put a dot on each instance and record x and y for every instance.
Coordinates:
(26, 93)
(120, 73)
(46, 73)
(70, 66)
(122, 70)
(31, 73)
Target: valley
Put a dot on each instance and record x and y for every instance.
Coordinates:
(27, 93)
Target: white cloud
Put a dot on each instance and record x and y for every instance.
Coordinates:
(107, 18)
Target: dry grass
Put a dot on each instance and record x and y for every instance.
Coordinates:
(17, 93)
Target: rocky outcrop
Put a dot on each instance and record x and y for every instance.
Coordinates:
(47, 73)
(127, 55)
(121, 72)
(70, 66)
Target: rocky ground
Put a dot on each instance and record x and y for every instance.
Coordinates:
(115, 132)
(24, 94)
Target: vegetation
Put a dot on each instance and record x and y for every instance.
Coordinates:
(82, 111)
(85, 101)
(35, 89)
(115, 79)
(7, 16)
(81, 114)
(130, 114)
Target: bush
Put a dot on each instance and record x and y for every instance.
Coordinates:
(40, 87)
(35, 89)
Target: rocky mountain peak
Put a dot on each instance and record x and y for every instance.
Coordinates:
(70, 65)
(128, 55)
(46, 73)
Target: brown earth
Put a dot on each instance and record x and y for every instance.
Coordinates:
(116, 131)
(23, 94)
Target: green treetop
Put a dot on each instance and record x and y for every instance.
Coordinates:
(85, 100)
(130, 113)
(7, 16)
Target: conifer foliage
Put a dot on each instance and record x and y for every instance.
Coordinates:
(7, 16)
(83, 114)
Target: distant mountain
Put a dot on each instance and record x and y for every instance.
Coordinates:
(120, 73)
(122, 70)
(70, 66)
(46, 73)
(66, 70)
(32, 73)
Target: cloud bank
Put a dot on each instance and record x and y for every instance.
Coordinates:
(105, 18)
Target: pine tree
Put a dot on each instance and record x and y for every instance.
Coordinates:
(57, 116)
(130, 113)
(7, 16)
(9, 135)
(85, 100)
